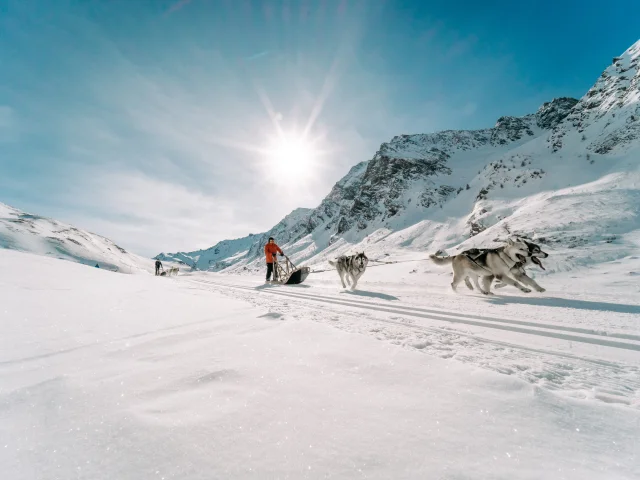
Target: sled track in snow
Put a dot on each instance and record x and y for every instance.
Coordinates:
(574, 375)
(560, 332)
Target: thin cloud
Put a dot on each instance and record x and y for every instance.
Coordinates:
(258, 55)
(177, 6)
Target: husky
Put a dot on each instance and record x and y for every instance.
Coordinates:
(173, 271)
(535, 254)
(170, 271)
(503, 263)
(352, 266)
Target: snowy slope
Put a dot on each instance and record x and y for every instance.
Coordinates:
(242, 250)
(566, 177)
(150, 382)
(32, 233)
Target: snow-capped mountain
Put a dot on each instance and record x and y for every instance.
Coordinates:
(229, 252)
(35, 234)
(566, 176)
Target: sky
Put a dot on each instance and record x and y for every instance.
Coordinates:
(161, 123)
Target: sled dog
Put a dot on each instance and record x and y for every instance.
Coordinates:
(351, 267)
(535, 254)
(170, 271)
(173, 271)
(504, 263)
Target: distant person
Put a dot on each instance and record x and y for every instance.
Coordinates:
(270, 251)
(158, 267)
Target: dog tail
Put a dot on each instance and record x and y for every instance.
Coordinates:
(332, 263)
(440, 260)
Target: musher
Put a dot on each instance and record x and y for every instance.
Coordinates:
(270, 251)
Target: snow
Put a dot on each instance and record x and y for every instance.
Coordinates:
(208, 375)
(44, 236)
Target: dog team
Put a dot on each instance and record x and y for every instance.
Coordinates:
(479, 267)
(165, 273)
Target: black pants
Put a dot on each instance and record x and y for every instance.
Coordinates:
(269, 270)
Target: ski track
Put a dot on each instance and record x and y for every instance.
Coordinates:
(567, 374)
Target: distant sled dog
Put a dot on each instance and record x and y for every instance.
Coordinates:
(173, 271)
(350, 267)
(170, 271)
(505, 264)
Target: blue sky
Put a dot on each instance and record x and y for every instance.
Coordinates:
(146, 121)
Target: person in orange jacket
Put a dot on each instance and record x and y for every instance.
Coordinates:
(270, 251)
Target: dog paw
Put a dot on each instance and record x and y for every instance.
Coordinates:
(542, 289)
(526, 290)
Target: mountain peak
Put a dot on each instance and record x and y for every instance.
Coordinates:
(608, 115)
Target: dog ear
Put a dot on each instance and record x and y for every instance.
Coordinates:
(509, 241)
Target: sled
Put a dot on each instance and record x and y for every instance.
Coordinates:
(287, 273)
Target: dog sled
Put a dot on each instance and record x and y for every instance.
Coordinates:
(286, 273)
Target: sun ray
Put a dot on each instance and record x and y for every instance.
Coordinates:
(327, 87)
(266, 103)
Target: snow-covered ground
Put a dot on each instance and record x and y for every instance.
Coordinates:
(27, 232)
(106, 376)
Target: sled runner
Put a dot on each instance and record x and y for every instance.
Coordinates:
(286, 273)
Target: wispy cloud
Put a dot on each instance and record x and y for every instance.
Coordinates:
(177, 6)
(258, 55)
(132, 205)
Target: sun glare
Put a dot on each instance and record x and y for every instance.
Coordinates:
(291, 159)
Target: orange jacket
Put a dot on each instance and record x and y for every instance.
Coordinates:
(270, 250)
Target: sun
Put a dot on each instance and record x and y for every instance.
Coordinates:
(291, 159)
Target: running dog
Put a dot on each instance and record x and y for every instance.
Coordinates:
(535, 254)
(505, 264)
(170, 271)
(352, 266)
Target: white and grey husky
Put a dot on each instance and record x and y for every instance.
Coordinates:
(352, 267)
(535, 254)
(505, 264)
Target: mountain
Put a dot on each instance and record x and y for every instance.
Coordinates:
(566, 176)
(31, 233)
(229, 252)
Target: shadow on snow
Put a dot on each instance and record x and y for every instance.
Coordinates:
(567, 303)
